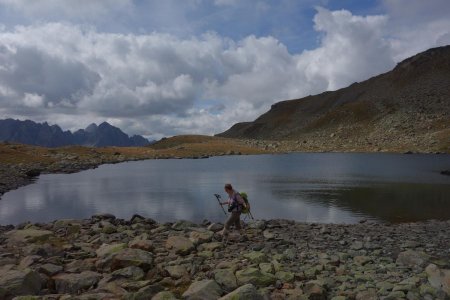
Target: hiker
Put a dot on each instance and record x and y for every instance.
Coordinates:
(235, 205)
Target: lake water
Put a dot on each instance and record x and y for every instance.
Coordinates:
(311, 187)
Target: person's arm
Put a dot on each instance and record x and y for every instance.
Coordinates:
(226, 202)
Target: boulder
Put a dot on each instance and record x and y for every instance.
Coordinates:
(74, 283)
(315, 291)
(204, 289)
(109, 249)
(215, 227)
(146, 292)
(19, 282)
(177, 271)
(200, 237)
(245, 292)
(226, 279)
(256, 257)
(285, 276)
(411, 258)
(257, 224)
(181, 245)
(165, 295)
(132, 257)
(29, 235)
(131, 272)
(255, 277)
(183, 225)
(439, 279)
(50, 269)
(145, 245)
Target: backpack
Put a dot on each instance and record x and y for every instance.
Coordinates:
(245, 210)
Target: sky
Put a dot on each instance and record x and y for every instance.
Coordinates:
(162, 68)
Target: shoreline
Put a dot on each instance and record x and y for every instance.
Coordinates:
(104, 257)
(16, 175)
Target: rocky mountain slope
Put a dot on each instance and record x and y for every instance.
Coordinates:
(29, 132)
(406, 108)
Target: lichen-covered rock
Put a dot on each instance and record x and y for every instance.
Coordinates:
(165, 295)
(411, 258)
(226, 279)
(145, 245)
(132, 257)
(245, 292)
(177, 271)
(255, 277)
(29, 235)
(19, 282)
(180, 244)
(75, 282)
(204, 289)
(200, 237)
(256, 257)
(131, 272)
(439, 279)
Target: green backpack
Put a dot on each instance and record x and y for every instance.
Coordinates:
(245, 210)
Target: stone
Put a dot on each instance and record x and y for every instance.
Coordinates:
(210, 246)
(362, 260)
(110, 249)
(29, 235)
(146, 292)
(268, 235)
(200, 237)
(215, 227)
(75, 282)
(203, 289)
(132, 257)
(50, 269)
(439, 279)
(131, 272)
(257, 224)
(411, 258)
(255, 277)
(183, 225)
(145, 245)
(314, 291)
(357, 245)
(245, 292)
(285, 276)
(177, 271)
(164, 295)
(256, 257)
(180, 244)
(266, 267)
(226, 279)
(19, 282)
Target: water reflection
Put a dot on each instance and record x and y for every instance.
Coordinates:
(330, 187)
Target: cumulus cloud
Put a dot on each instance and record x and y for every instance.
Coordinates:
(160, 84)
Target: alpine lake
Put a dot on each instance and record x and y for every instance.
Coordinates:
(308, 187)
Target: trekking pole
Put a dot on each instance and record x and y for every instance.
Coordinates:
(250, 213)
(218, 197)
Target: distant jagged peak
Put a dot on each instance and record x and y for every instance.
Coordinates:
(91, 128)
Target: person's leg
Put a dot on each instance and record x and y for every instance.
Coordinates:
(230, 221)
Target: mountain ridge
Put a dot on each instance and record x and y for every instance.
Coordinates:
(43, 134)
(409, 105)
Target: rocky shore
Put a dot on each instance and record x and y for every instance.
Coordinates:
(108, 258)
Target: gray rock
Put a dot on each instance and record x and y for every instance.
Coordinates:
(245, 292)
(19, 282)
(215, 227)
(226, 279)
(180, 245)
(256, 257)
(200, 237)
(131, 272)
(204, 289)
(439, 279)
(257, 224)
(165, 295)
(75, 283)
(411, 259)
(255, 277)
(132, 257)
(29, 235)
(177, 271)
(50, 269)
